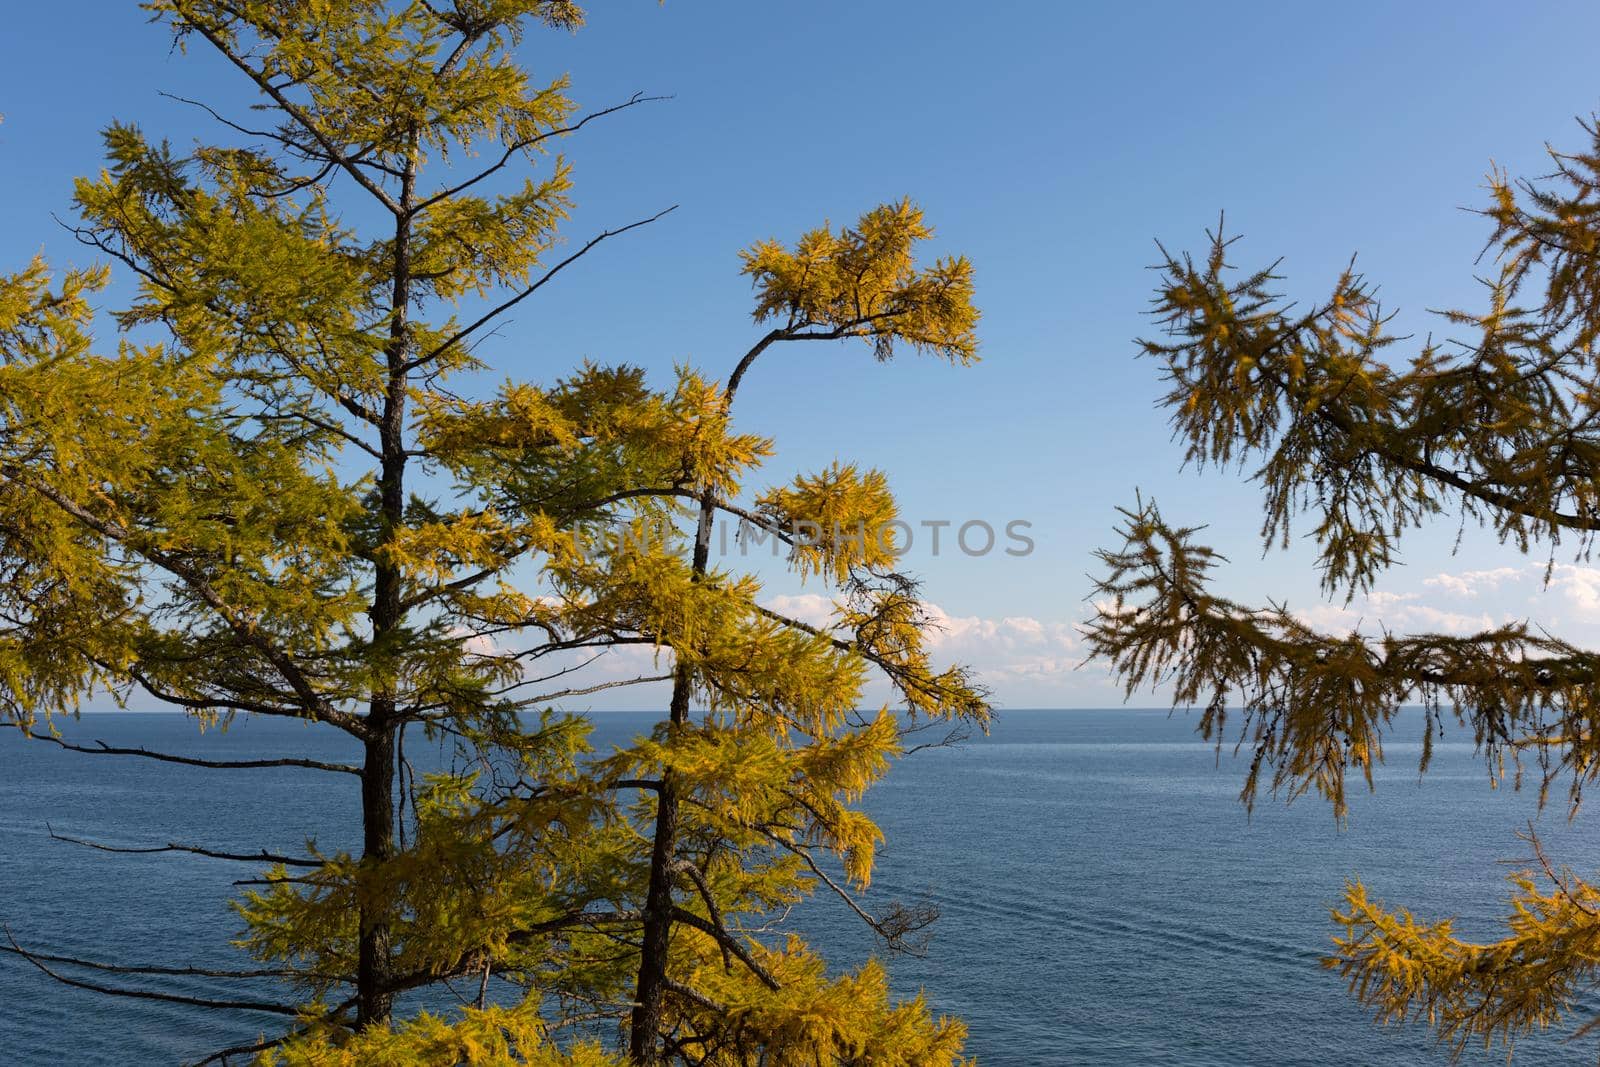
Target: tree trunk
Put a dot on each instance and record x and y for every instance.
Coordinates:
(378, 776)
(377, 818)
(646, 1019)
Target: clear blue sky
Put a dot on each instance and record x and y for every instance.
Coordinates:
(1051, 142)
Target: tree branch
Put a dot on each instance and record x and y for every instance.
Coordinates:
(838, 333)
(526, 143)
(683, 866)
(642, 679)
(729, 942)
(247, 632)
(221, 1055)
(176, 972)
(145, 994)
(103, 749)
(461, 334)
(291, 109)
(261, 857)
(893, 938)
(695, 995)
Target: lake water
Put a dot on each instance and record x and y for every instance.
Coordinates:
(1104, 898)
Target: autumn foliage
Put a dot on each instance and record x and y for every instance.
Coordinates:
(275, 483)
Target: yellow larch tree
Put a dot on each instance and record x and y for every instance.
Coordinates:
(262, 496)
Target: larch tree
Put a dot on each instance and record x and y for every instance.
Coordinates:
(270, 496)
(1342, 424)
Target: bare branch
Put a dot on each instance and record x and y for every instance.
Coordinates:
(894, 928)
(146, 994)
(461, 334)
(221, 1055)
(260, 857)
(177, 972)
(103, 749)
(601, 686)
(526, 143)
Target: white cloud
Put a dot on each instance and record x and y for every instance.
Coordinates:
(1025, 660)
(1012, 645)
(1397, 613)
(1568, 605)
(1029, 661)
(1580, 587)
(1469, 584)
(1013, 648)
(810, 608)
(1383, 600)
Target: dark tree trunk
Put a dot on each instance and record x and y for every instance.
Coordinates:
(646, 1020)
(375, 997)
(377, 818)
(645, 1024)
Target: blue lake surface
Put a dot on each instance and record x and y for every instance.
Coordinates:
(1105, 899)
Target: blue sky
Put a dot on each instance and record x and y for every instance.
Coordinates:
(1051, 142)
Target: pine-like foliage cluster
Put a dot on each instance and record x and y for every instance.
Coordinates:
(1344, 428)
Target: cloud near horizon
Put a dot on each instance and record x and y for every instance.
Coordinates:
(1034, 662)
(1024, 660)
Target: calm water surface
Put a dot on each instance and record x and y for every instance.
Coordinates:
(1104, 898)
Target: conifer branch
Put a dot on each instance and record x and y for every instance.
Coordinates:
(707, 897)
(316, 706)
(278, 137)
(724, 938)
(899, 674)
(1425, 467)
(691, 994)
(806, 332)
(467, 581)
(207, 704)
(221, 1056)
(289, 108)
(324, 425)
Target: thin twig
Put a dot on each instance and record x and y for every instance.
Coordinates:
(461, 334)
